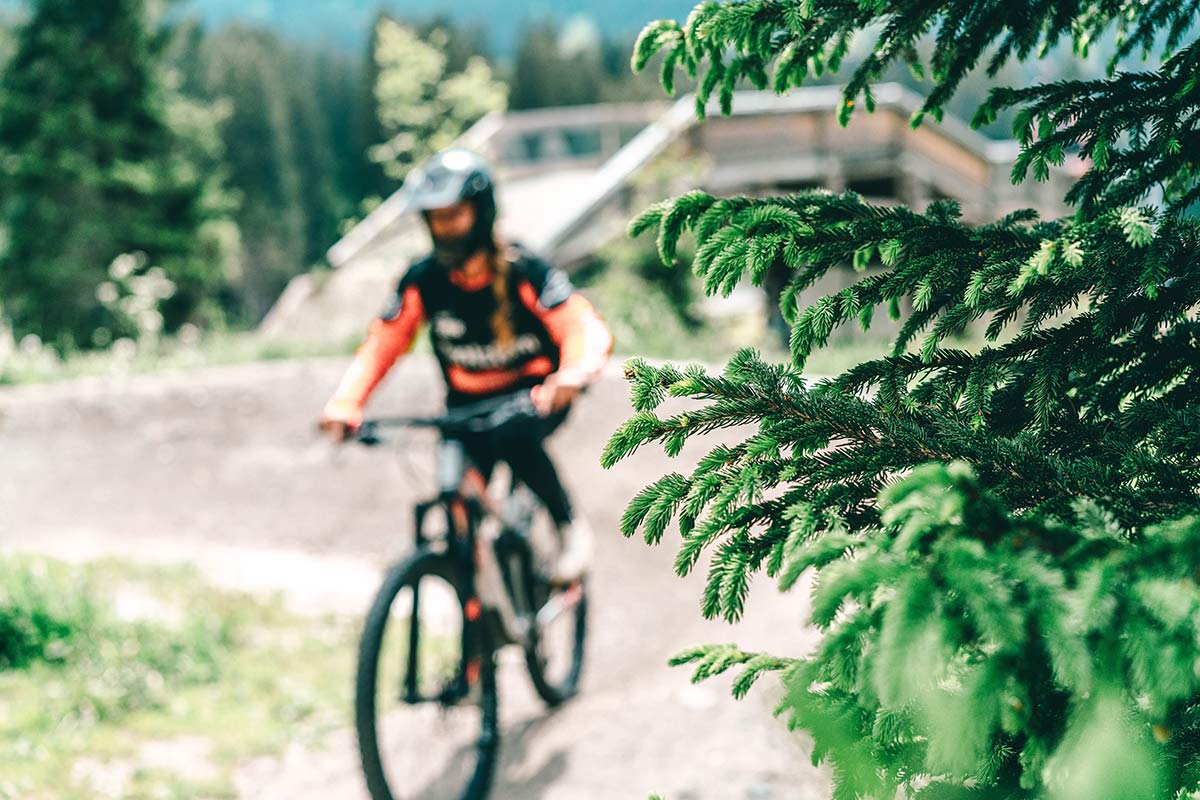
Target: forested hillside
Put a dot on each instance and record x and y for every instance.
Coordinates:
(346, 22)
(268, 125)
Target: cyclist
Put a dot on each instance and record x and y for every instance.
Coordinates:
(500, 320)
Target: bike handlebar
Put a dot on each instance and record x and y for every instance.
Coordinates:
(471, 418)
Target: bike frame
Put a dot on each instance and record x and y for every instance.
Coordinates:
(471, 545)
(476, 525)
(476, 520)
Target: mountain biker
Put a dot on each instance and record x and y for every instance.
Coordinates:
(501, 319)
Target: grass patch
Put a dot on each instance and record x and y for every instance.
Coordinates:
(40, 364)
(144, 682)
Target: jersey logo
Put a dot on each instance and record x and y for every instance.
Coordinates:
(449, 326)
(491, 356)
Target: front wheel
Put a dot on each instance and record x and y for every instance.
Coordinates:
(425, 692)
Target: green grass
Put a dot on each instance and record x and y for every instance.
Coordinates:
(171, 355)
(231, 675)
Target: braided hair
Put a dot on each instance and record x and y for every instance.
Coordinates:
(502, 319)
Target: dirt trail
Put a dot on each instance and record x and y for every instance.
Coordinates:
(223, 466)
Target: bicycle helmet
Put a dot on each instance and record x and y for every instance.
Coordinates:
(450, 177)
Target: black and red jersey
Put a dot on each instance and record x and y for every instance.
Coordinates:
(553, 329)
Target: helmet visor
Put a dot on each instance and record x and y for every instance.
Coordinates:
(435, 190)
(447, 178)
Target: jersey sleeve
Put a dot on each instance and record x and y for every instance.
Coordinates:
(389, 337)
(551, 286)
(583, 339)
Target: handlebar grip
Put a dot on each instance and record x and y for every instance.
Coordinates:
(368, 434)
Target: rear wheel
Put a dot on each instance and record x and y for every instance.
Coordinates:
(425, 694)
(555, 657)
(559, 630)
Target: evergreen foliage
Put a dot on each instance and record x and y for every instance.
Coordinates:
(99, 159)
(459, 46)
(422, 105)
(543, 75)
(573, 65)
(292, 152)
(1002, 542)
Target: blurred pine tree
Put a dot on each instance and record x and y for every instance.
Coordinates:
(92, 167)
(423, 103)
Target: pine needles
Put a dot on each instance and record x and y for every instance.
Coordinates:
(1004, 542)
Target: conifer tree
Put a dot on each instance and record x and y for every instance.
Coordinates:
(93, 167)
(545, 75)
(270, 154)
(422, 102)
(1002, 541)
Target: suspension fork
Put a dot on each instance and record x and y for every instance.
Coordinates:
(460, 525)
(461, 543)
(410, 693)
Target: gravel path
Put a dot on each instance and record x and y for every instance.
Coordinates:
(222, 467)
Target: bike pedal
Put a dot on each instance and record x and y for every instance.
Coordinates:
(460, 696)
(464, 690)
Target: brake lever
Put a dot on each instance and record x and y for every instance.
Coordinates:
(368, 434)
(519, 406)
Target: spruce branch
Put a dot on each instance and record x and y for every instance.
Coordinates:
(1001, 539)
(783, 43)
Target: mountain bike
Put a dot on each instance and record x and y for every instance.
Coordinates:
(426, 694)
